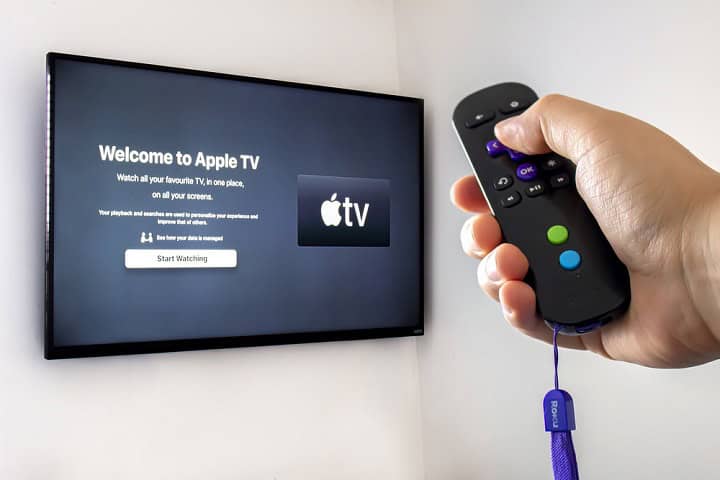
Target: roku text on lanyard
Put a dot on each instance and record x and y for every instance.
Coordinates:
(560, 421)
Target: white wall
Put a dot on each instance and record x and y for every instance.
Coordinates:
(481, 382)
(324, 411)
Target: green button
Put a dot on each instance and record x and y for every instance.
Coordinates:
(557, 234)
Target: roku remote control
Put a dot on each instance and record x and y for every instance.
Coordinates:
(579, 281)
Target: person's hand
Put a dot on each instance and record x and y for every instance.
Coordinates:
(659, 207)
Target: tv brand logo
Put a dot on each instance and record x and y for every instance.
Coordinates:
(554, 413)
(330, 212)
(336, 211)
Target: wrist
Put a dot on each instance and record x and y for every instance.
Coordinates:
(700, 249)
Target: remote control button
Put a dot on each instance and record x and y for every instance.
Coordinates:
(514, 105)
(550, 164)
(535, 189)
(569, 259)
(557, 234)
(501, 183)
(495, 148)
(479, 118)
(526, 172)
(510, 200)
(561, 180)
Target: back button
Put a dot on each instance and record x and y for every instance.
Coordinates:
(479, 118)
(501, 183)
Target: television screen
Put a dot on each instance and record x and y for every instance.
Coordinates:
(190, 210)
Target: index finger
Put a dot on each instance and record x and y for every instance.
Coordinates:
(465, 193)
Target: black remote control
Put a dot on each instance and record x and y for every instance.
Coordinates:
(579, 281)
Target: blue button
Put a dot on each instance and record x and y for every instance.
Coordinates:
(569, 259)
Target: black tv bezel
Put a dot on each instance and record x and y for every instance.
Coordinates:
(52, 351)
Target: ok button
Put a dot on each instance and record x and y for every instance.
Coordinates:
(526, 172)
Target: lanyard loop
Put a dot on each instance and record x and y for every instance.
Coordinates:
(556, 330)
(560, 421)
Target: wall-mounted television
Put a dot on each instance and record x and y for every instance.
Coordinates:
(191, 210)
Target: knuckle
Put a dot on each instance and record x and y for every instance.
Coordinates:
(548, 101)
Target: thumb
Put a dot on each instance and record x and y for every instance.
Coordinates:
(562, 124)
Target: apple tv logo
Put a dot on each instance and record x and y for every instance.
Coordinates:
(343, 211)
(330, 212)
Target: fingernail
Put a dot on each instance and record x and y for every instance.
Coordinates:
(507, 129)
(468, 240)
(466, 235)
(491, 268)
(475, 251)
(466, 228)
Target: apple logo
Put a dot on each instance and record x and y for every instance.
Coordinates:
(330, 212)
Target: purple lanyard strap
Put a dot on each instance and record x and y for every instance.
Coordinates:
(560, 421)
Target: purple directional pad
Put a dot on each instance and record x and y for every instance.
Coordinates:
(495, 148)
